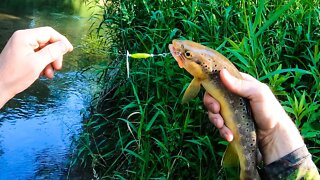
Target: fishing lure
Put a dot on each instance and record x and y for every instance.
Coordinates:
(140, 56)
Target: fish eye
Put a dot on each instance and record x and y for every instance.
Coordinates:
(188, 54)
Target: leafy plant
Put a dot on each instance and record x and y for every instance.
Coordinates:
(140, 130)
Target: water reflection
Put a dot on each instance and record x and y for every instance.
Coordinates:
(37, 132)
(38, 126)
(28, 6)
(47, 94)
(30, 103)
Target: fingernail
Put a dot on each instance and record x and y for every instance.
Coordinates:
(69, 45)
(228, 137)
(71, 48)
(223, 74)
(34, 45)
(226, 73)
(63, 47)
(228, 76)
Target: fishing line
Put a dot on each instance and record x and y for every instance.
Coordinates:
(134, 56)
(141, 56)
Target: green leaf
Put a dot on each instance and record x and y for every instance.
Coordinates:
(134, 154)
(302, 71)
(274, 17)
(149, 125)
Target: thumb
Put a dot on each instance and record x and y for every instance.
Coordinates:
(246, 87)
(50, 53)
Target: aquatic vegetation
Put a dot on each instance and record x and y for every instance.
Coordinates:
(139, 129)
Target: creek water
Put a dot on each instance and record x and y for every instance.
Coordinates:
(39, 125)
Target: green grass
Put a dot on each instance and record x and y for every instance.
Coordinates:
(140, 130)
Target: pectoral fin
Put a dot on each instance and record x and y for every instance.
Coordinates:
(192, 90)
(230, 157)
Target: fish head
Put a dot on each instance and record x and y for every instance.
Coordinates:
(199, 60)
(186, 53)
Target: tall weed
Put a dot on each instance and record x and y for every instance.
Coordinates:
(139, 129)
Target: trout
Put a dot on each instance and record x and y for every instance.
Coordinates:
(204, 64)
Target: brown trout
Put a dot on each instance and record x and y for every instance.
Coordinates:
(205, 64)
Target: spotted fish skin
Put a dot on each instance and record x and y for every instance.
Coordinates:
(246, 140)
(205, 64)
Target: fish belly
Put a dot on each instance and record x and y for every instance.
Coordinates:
(235, 111)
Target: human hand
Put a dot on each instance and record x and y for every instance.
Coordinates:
(276, 133)
(27, 55)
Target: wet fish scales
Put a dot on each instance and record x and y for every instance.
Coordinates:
(245, 127)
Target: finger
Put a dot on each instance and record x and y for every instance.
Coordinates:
(244, 88)
(211, 104)
(216, 120)
(44, 35)
(247, 77)
(49, 71)
(50, 53)
(226, 134)
(57, 64)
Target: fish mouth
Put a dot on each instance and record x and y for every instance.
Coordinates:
(177, 55)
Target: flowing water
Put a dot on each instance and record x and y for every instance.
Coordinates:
(38, 126)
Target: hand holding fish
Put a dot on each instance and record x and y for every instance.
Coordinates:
(28, 54)
(276, 133)
(229, 96)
